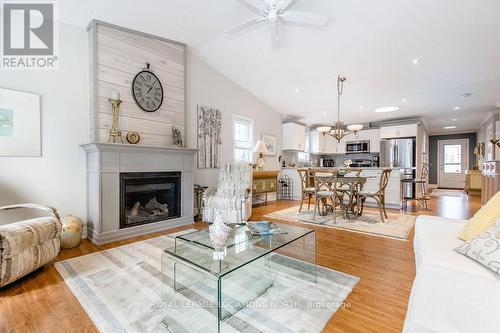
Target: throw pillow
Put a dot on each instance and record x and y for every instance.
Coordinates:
(484, 248)
(484, 218)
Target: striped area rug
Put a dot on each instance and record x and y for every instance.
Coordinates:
(124, 289)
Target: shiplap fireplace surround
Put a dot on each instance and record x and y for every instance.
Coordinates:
(117, 54)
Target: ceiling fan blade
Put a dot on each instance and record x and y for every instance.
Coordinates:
(309, 18)
(275, 34)
(240, 27)
(254, 4)
(284, 4)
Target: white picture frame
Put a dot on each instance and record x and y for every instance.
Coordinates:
(19, 123)
(270, 141)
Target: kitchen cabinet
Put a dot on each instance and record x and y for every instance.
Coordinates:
(294, 137)
(317, 142)
(399, 131)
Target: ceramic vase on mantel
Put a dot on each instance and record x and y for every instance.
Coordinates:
(219, 233)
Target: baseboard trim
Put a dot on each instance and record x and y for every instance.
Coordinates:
(100, 238)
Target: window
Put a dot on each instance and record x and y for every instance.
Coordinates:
(452, 158)
(243, 139)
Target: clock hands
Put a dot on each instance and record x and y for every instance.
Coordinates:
(151, 87)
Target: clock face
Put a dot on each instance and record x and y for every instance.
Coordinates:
(147, 91)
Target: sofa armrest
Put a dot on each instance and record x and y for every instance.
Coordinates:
(19, 236)
(51, 210)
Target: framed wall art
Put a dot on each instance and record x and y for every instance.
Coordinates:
(19, 123)
(209, 138)
(270, 142)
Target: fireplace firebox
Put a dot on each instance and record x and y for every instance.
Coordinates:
(148, 197)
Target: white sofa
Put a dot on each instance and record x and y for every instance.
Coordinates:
(451, 293)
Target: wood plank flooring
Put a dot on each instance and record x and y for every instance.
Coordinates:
(41, 302)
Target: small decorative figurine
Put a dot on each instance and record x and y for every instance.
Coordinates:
(176, 137)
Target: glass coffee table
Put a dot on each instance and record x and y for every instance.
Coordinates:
(233, 276)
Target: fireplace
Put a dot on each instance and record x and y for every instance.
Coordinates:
(148, 197)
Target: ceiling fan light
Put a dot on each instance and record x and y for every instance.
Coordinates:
(355, 128)
(323, 129)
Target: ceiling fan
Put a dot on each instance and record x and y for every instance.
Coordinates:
(275, 11)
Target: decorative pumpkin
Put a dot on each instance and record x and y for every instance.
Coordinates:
(71, 231)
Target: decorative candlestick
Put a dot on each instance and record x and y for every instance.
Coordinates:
(115, 135)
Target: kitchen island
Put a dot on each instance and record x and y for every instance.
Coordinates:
(392, 192)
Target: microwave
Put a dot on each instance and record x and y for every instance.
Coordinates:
(356, 147)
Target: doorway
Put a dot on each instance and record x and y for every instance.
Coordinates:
(453, 160)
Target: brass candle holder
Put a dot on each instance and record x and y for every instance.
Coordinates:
(115, 134)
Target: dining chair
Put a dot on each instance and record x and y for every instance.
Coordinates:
(307, 187)
(378, 196)
(325, 187)
(343, 189)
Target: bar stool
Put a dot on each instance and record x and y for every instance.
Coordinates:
(422, 182)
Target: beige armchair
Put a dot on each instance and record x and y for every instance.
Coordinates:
(29, 244)
(232, 198)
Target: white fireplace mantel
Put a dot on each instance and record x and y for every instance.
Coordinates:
(105, 162)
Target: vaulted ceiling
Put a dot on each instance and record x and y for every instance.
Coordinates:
(372, 43)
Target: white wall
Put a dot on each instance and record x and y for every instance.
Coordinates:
(58, 177)
(207, 87)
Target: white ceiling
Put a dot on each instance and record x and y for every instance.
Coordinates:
(372, 43)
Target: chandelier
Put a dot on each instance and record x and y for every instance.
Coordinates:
(339, 129)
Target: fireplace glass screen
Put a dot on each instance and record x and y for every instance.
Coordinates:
(148, 197)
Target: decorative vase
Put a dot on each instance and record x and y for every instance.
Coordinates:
(219, 233)
(71, 231)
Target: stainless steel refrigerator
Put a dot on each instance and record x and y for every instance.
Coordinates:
(400, 153)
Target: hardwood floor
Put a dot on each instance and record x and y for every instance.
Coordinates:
(41, 302)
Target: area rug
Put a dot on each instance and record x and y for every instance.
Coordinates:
(124, 290)
(437, 192)
(397, 226)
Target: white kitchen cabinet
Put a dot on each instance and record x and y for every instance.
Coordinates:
(330, 145)
(294, 137)
(399, 131)
(317, 142)
(373, 135)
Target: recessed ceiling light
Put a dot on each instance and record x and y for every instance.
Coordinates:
(324, 113)
(297, 89)
(449, 127)
(415, 61)
(454, 119)
(403, 100)
(456, 108)
(388, 109)
(361, 107)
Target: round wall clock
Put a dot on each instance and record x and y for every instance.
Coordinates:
(147, 90)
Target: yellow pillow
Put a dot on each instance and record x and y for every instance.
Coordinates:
(484, 219)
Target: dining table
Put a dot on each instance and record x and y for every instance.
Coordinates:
(348, 185)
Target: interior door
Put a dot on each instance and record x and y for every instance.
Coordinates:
(453, 161)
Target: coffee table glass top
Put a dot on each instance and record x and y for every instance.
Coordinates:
(240, 248)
